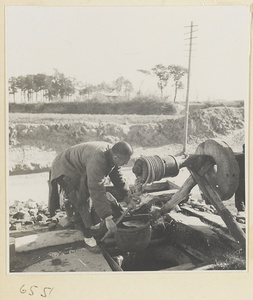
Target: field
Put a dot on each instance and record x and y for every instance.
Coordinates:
(25, 118)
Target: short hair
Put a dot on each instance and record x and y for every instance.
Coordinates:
(122, 149)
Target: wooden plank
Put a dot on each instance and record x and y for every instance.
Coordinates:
(195, 253)
(226, 237)
(81, 260)
(179, 196)
(183, 192)
(183, 267)
(156, 186)
(161, 196)
(216, 201)
(194, 223)
(210, 218)
(149, 199)
(112, 263)
(216, 224)
(204, 268)
(214, 219)
(172, 185)
(47, 239)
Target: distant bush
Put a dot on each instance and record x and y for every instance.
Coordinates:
(138, 106)
(203, 105)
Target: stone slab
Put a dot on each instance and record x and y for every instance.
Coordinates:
(82, 260)
(47, 239)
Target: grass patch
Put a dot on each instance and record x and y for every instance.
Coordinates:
(232, 261)
(27, 118)
(139, 106)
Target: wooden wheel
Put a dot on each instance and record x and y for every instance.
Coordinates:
(224, 176)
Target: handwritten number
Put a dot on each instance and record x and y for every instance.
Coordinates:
(32, 293)
(45, 294)
(22, 290)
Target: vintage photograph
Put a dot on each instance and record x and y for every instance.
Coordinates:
(127, 138)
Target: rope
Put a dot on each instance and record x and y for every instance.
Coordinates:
(156, 168)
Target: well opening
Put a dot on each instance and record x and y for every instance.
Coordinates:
(160, 254)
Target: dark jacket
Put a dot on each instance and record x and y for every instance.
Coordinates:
(87, 165)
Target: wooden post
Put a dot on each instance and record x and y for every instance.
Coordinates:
(216, 201)
(187, 96)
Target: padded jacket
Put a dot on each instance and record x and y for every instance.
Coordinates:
(87, 165)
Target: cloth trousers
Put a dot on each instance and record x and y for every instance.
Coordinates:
(240, 192)
(84, 213)
(240, 197)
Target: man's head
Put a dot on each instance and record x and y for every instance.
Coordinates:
(121, 153)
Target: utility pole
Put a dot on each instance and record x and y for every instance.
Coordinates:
(188, 88)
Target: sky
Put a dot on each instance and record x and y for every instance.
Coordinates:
(96, 44)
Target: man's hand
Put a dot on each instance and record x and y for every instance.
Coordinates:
(131, 204)
(130, 201)
(111, 226)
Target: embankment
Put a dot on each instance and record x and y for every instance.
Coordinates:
(33, 145)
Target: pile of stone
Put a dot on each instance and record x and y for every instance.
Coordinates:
(30, 212)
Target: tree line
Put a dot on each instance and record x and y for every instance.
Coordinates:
(57, 87)
(49, 86)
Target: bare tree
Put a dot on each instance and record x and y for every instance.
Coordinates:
(162, 73)
(145, 72)
(13, 88)
(177, 72)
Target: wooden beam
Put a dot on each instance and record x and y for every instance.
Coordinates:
(195, 253)
(187, 266)
(112, 263)
(172, 185)
(216, 201)
(184, 190)
(203, 267)
(226, 238)
(156, 186)
(210, 218)
(196, 224)
(149, 199)
(179, 196)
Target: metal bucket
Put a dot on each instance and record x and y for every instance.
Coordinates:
(132, 239)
